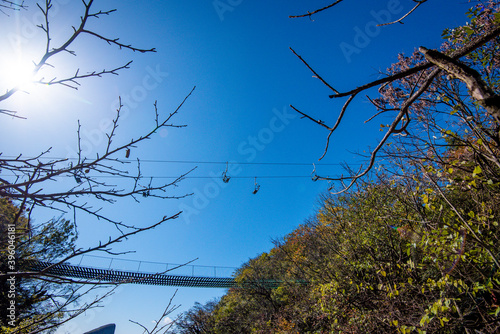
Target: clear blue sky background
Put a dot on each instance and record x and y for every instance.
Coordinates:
(246, 77)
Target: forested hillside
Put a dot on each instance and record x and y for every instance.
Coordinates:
(413, 246)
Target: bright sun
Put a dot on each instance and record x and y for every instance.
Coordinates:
(16, 72)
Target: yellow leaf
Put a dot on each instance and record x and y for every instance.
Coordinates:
(476, 171)
(425, 198)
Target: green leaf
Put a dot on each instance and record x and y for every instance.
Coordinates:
(497, 17)
(424, 320)
(477, 171)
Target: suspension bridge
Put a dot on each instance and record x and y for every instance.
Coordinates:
(93, 275)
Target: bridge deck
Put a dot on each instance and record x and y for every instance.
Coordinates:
(95, 275)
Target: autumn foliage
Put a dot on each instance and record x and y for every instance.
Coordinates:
(415, 247)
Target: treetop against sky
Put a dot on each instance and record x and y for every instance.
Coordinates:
(238, 118)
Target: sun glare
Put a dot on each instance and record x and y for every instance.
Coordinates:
(16, 72)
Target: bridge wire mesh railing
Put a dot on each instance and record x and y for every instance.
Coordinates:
(92, 275)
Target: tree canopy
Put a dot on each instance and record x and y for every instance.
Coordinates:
(41, 303)
(411, 246)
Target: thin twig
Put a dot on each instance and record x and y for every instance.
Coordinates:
(309, 14)
(404, 16)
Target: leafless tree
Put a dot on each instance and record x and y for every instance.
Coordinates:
(50, 51)
(28, 182)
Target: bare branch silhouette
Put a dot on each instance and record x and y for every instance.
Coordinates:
(309, 14)
(425, 77)
(50, 51)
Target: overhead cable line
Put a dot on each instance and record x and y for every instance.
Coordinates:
(193, 177)
(196, 161)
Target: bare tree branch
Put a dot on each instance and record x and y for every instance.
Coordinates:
(488, 97)
(478, 89)
(11, 5)
(50, 51)
(158, 327)
(309, 14)
(32, 173)
(419, 2)
(476, 43)
(315, 73)
(392, 127)
(27, 183)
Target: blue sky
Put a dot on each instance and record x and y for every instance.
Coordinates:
(246, 77)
